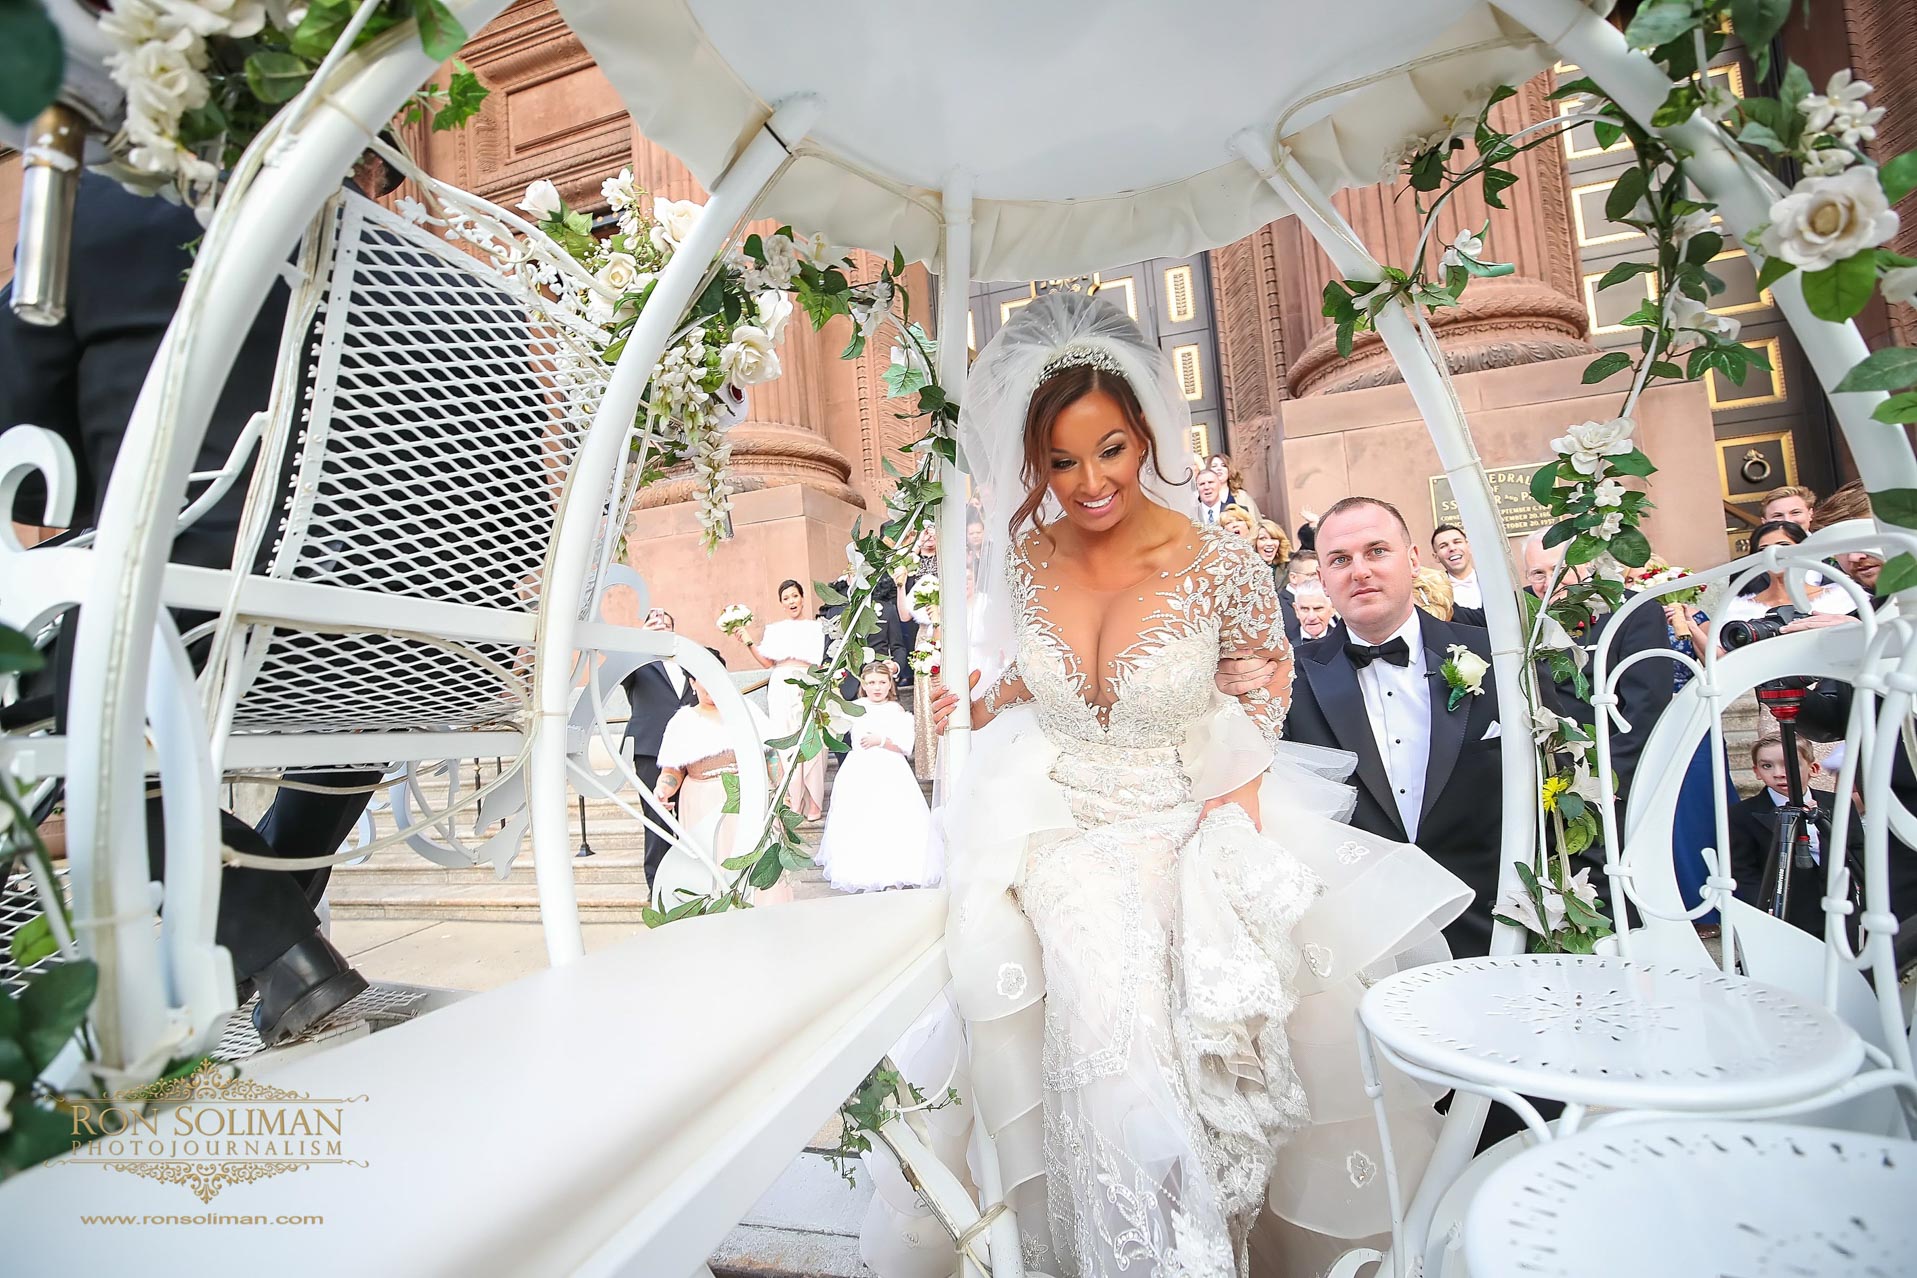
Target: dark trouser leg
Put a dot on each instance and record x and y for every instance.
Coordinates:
(263, 913)
(304, 824)
(647, 767)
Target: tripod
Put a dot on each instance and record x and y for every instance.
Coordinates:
(1790, 837)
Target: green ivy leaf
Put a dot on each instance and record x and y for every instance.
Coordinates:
(37, 1135)
(321, 28)
(439, 31)
(1543, 483)
(464, 94)
(1841, 289)
(32, 62)
(1899, 575)
(1893, 368)
(1496, 182)
(17, 653)
(54, 1005)
(1606, 133)
(1757, 23)
(276, 77)
(1680, 105)
(1624, 271)
(1660, 23)
(1792, 89)
(1632, 463)
(1606, 365)
(1774, 269)
(1629, 188)
(1898, 408)
(1630, 548)
(1898, 177)
(33, 942)
(1702, 248)
(1760, 135)
(1896, 505)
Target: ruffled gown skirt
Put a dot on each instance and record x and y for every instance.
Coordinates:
(878, 829)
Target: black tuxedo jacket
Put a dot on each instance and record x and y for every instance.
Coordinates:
(1643, 691)
(1752, 822)
(1462, 817)
(649, 689)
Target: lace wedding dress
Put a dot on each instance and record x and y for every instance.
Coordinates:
(1160, 1005)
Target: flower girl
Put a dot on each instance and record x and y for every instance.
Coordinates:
(878, 833)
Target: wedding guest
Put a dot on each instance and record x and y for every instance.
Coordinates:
(1426, 774)
(1315, 614)
(1792, 502)
(1453, 551)
(1767, 591)
(1213, 499)
(1300, 568)
(1753, 823)
(878, 832)
(1431, 587)
(1234, 482)
(656, 691)
(1694, 824)
(1274, 548)
(790, 647)
(1308, 531)
(1237, 521)
(1643, 690)
(695, 757)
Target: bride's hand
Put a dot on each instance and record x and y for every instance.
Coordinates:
(1242, 673)
(944, 701)
(1245, 796)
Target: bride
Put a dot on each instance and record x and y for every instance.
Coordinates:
(1160, 928)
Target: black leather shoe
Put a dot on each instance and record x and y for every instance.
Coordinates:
(301, 988)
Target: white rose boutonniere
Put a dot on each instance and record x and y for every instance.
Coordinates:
(1464, 671)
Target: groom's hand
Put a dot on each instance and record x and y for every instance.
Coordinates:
(1242, 673)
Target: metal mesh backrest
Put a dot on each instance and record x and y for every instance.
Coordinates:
(439, 412)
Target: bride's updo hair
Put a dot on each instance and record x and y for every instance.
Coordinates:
(1054, 395)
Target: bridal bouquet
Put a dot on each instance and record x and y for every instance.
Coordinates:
(924, 662)
(924, 595)
(734, 619)
(1654, 575)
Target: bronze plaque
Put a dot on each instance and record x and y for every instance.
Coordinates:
(1511, 486)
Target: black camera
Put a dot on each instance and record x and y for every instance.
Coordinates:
(1738, 634)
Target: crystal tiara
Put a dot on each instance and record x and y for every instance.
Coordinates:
(1074, 356)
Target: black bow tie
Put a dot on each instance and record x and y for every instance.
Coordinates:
(1396, 651)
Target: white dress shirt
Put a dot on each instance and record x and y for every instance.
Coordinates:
(674, 675)
(1398, 703)
(1209, 514)
(1465, 592)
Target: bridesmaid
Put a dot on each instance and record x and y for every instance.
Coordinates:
(791, 647)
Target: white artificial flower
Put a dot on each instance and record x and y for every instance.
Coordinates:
(748, 358)
(1553, 637)
(1900, 285)
(1691, 225)
(620, 274)
(1825, 220)
(1470, 668)
(1609, 492)
(1690, 315)
(675, 219)
(774, 309)
(618, 191)
(908, 357)
(161, 77)
(816, 251)
(1841, 111)
(1545, 723)
(1719, 102)
(1584, 783)
(858, 573)
(781, 261)
(1612, 524)
(1587, 444)
(237, 18)
(1465, 245)
(410, 209)
(542, 201)
(1828, 161)
(1515, 903)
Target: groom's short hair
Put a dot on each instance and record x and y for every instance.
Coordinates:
(1352, 503)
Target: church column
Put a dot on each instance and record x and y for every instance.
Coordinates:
(1535, 314)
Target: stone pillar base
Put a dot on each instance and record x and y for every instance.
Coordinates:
(789, 531)
(1372, 443)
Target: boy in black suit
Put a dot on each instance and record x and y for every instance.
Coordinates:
(1753, 821)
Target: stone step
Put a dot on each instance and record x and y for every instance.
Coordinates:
(805, 1226)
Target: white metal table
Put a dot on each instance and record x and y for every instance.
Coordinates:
(1700, 1197)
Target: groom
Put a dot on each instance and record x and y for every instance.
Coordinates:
(1427, 774)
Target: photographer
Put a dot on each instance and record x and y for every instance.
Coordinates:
(1825, 712)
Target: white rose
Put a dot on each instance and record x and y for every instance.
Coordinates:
(1825, 220)
(1609, 492)
(542, 201)
(675, 218)
(748, 358)
(1613, 523)
(620, 274)
(239, 18)
(1465, 245)
(1470, 667)
(781, 260)
(1900, 285)
(1587, 444)
(774, 309)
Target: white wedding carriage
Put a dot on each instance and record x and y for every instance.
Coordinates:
(607, 1115)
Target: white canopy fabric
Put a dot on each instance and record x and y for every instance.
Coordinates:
(1096, 132)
